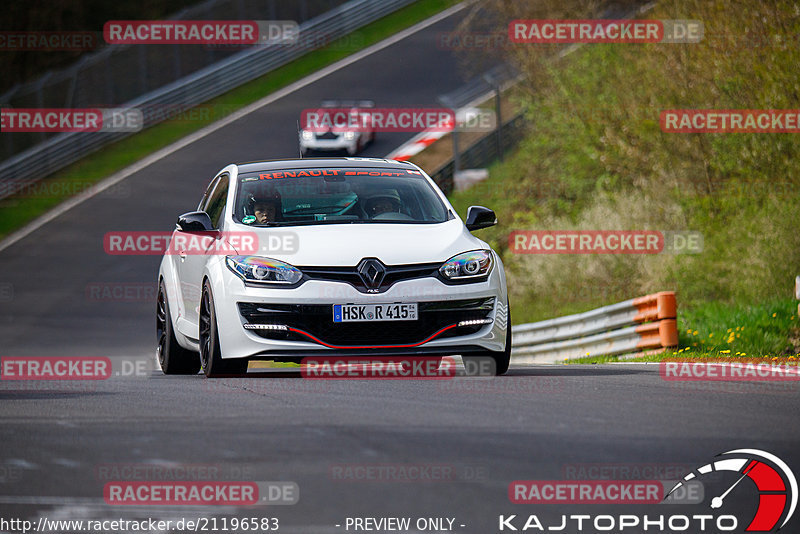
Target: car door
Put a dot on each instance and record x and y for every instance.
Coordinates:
(191, 261)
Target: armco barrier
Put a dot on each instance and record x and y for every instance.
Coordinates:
(644, 323)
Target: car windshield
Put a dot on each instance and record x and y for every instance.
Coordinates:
(337, 196)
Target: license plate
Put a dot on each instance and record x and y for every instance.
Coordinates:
(347, 313)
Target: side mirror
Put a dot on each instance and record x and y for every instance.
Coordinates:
(479, 217)
(195, 221)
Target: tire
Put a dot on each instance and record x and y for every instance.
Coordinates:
(173, 359)
(492, 363)
(503, 359)
(210, 352)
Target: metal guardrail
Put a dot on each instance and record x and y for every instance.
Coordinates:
(482, 152)
(481, 87)
(55, 153)
(644, 323)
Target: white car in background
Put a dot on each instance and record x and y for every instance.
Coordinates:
(355, 257)
(340, 139)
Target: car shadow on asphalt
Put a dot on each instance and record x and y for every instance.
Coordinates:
(514, 371)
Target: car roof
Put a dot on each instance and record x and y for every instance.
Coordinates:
(316, 163)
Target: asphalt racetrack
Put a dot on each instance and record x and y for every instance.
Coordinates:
(354, 449)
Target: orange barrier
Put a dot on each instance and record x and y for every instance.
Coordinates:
(661, 305)
(661, 334)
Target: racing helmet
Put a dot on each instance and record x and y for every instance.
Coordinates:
(373, 199)
(263, 196)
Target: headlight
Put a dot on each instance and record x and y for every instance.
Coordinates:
(306, 135)
(263, 270)
(475, 264)
(349, 136)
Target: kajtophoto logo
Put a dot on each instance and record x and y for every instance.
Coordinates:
(775, 482)
(772, 492)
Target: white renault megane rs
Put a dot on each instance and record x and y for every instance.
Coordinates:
(328, 257)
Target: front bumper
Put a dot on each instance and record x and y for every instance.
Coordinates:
(308, 312)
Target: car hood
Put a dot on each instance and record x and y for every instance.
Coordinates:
(347, 244)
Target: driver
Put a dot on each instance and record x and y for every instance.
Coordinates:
(383, 201)
(266, 207)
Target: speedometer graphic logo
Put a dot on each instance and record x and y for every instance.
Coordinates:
(775, 482)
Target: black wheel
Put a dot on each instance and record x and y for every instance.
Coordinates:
(210, 353)
(173, 359)
(492, 363)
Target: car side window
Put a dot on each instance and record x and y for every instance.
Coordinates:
(217, 200)
(204, 201)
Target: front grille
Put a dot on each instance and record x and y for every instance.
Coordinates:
(350, 275)
(327, 135)
(317, 320)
